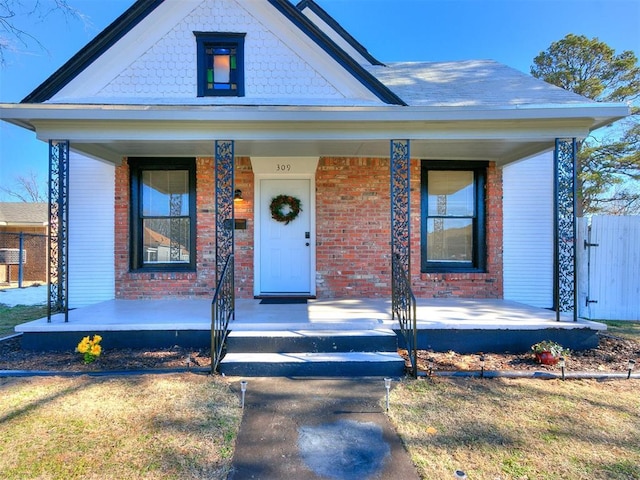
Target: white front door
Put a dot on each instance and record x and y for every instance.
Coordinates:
(285, 256)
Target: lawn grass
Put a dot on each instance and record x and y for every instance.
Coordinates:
(624, 329)
(144, 427)
(520, 429)
(12, 316)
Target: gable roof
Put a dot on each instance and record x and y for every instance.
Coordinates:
(90, 52)
(306, 6)
(473, 110)
(142, 8)
(22, 213)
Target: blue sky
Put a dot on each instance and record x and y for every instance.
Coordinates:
(512, 32)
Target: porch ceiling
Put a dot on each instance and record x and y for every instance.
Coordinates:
(110, 132)
(500, 150)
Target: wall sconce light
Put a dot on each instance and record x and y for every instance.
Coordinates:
(630, 366)
(237, 195)
(562, 363)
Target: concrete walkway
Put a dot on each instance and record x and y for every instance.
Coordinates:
(312, 429)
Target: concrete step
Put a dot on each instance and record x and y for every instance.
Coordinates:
(312, 341)
(342, 364)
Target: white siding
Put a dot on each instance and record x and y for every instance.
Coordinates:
(91, 231)
(528, 231)
(156, 62)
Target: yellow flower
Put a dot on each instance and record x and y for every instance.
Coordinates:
(83, 346)
(90, 348)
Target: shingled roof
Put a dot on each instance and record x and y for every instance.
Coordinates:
(21, 213)
(471, 83)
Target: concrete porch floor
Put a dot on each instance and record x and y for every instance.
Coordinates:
(340, 314)
(462, 325)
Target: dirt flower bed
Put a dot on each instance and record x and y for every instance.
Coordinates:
(612, 355)
(12, 357)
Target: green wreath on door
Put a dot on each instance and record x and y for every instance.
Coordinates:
(285, 208)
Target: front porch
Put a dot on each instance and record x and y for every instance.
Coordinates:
(462, 325)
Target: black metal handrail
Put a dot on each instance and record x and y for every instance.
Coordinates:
(403, 307)
(222, 311)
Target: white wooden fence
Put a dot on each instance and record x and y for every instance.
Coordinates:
(609, 268)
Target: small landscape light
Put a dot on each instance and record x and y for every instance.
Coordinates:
(243, 389)
(431, 362)
(562, 363)
(387, 386)
(482, 359)
(460, 475)
(630, 366)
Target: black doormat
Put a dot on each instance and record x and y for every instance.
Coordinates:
(282, 300)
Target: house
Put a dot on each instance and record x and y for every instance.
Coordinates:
(23, 226)
(185, 118)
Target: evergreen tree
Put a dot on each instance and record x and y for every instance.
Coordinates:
(609, 164)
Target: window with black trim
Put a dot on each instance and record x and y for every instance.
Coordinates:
(453, 216)
(220, 64)
(163, 214)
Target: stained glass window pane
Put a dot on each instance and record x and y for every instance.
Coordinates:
(221, 69)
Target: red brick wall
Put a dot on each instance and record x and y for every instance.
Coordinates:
(201, 283)
(353, 236)
(463, 285)
(353, 225)
(244, 238)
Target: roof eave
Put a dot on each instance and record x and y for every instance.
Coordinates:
(24, 114)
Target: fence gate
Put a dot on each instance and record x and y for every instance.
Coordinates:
(610, 261)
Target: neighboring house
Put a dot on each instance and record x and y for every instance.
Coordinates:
(156, 105)
(26, 224)
(17, 217)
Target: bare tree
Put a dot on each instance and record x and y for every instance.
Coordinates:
(28, 189)
(14, 13)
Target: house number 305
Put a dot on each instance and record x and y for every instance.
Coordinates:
(283, 167)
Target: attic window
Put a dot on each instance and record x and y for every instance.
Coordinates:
(220, 64)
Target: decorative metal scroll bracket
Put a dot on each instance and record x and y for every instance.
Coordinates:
(224, 191)
(58, 274)
(400, 166)
(565, 220)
